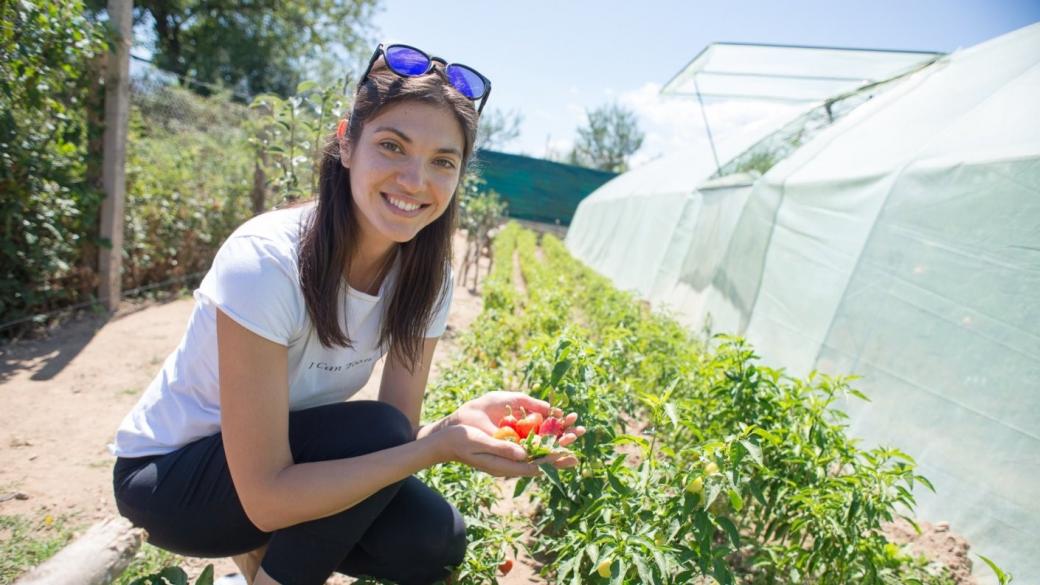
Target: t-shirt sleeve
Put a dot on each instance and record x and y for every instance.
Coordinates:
(439, 322)
(256, 283)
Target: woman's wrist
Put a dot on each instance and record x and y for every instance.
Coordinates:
(440, 445)
(439, 442)
(431, 428)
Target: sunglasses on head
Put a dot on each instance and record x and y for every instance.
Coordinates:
(408, 61)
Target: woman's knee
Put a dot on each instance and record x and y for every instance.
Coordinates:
(347, 429)
(448, 547)
(419, 529)
(454, 550)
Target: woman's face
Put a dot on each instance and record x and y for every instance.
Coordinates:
(403, 170)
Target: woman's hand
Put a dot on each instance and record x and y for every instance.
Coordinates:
(484, 413)
(480, 450)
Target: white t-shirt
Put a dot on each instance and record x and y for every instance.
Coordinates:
(254, 279)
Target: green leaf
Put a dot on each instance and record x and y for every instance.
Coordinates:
(731, 530)
(206, 578)
(593, 551)
(617, 485)
(1002, 577)
(644, 572)
(859, 395)
(713, 491)
(756, 490)
(673, 415)
(619, 577)
(558, 372)
(175, 575)
(735, 500)
(753, 450)
(553, 475)
(305, 86)
(722, 572)
(521, 485)
(766, 435)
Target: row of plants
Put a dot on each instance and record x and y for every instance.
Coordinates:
(699, 463)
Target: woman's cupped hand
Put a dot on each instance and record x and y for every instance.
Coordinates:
(472, 425)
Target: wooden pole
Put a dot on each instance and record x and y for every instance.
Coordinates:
(96, 558)
(113, 170)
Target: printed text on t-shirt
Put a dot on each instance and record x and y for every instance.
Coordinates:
(334, 368)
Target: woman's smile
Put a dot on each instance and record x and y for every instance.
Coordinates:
(403, 205)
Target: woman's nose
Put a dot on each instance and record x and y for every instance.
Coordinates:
(410, 176)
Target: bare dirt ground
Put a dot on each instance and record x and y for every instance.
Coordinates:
(63, 396)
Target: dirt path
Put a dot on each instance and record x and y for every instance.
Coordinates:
(63, 397)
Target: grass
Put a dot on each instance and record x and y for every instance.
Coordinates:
(150, 560)
(25, 543)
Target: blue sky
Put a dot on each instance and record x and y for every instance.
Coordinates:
(553, 60)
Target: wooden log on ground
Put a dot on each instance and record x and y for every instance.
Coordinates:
(96, 558)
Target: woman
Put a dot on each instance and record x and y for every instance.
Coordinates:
(243, 445)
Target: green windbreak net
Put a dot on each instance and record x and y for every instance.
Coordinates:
(900, 243)
(536, 189)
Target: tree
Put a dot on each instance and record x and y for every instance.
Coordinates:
(47, 201)
(611, 136)
(252, 46)
(498, 128)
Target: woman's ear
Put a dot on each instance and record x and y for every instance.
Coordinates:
(344, 145)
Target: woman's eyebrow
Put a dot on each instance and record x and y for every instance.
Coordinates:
(395, 131)
(404, 137)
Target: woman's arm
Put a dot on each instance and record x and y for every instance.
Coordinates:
(405, 389)
(254, 404)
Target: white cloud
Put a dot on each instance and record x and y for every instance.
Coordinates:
(676, 123)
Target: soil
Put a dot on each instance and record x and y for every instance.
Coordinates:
(64, 395)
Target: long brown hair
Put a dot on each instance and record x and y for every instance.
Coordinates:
(330, 238)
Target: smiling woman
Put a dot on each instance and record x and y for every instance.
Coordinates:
(243, 444)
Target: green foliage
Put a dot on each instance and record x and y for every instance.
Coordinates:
(610, 137)
(189, 173)
(1003, 577)
(498, 128)
(25, 543)
(49, 208)
(174, 575)
(480, 209)
(759, 162)
(263, 46)
(289, 135)
(698, 460)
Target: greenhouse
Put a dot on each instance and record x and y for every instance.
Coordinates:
(898, 242)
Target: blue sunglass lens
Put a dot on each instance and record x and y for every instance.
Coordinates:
(466, 81)
(407, 61)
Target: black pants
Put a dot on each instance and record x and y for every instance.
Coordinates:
(405, 532)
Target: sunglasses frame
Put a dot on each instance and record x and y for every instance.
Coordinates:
(381, 50)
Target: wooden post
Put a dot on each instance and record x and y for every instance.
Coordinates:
(113, 170)
(259, 192)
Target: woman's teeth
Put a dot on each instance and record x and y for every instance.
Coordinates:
(402, 205)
